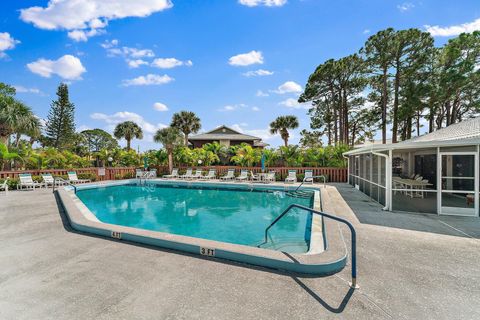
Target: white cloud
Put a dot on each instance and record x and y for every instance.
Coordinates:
(67, 67)
(258, 73)
(82, 35)
(83, 128)
(246, 59)
(454, 30)
(366, 31)
(7, 42)
(168, 63)
(22, 89)
(264, 134)
(289, 87)
(255, 109)
(160, 106)
(293, 103)
(260, 93)
(406, 6)
(109, 44)
(233, 107)
(136, 63)
(148, 80)
(267, 3)
(112, 120)
(89, 16)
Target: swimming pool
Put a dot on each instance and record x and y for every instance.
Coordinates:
(234, 215)
(213, 219)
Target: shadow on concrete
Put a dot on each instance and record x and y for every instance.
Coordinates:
(296, 277)
(368, 211)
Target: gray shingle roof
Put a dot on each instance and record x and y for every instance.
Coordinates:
(463, 130)
(229, 134)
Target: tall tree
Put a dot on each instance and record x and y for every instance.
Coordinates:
(128, 130)
(170, 138)
(379, 57)
(98, 139)
(282, 124)
(187, 122)
(60, 126)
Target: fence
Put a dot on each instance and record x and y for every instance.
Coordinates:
(110, 173)
(332, 174)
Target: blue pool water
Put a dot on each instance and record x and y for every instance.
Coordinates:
(236, 216)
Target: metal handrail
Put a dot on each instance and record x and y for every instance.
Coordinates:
(313, 177)
(55, 179)
(349, 225)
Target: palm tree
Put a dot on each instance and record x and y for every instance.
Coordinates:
(6, 157)
(16, 117)
(170, 137)
(187, 122)
(282, 124)
(128, 130)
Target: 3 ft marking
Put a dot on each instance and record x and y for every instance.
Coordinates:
(116, 235)
(207, 252)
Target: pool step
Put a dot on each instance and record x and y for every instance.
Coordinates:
(285, 245)
(300, 194)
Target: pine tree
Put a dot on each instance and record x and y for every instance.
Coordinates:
(60, 126)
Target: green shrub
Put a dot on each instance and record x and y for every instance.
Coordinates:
(128, 175)
(118, 176)
(87, 175)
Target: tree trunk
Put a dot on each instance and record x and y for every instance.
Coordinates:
(384, 106)
(170, 160)
(395, 105)
(128, 144)
(335, 126)
(186, 139)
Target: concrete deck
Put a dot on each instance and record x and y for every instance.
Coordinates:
(410, 266)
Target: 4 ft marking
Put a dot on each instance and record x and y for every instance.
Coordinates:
(207, 252)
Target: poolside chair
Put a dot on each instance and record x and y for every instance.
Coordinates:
(292, 176)
(270, 177)
(152, 174)
(4, 185)
(187, 175)
(229, 176)
(210, 175)
(308, 178)
(26, 182)
(243, 176)
(198, 174)
(50, 181)
(72, 178)
(173, 175)
(255, 177)
(139, 173)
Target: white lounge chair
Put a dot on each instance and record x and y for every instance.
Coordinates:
(173, 175)
(292, 176)
(229, 176)
(152, 174)
(50, 181)
(26, 182)
(308, 178)
(72, 178)
(4, 185)
(270, 177)
(210, 175)
(198, 174)
(255, 177)
(243, 176)
(139, 173)
(187, 175)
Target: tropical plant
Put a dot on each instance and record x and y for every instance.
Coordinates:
(291, 155)
(246, 156)
(187, 122)
(170, 138)
(128, 130)
(98, 139)
(282, 124)
(7, 157)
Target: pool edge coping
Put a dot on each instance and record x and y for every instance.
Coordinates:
(331, 260)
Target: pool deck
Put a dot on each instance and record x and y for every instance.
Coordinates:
(410, 266)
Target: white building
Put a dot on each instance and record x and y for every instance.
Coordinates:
(434, 173)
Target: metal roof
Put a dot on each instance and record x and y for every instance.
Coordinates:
(463, 133)
(228, 134)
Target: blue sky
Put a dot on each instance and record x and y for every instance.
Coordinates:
(240, 63)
